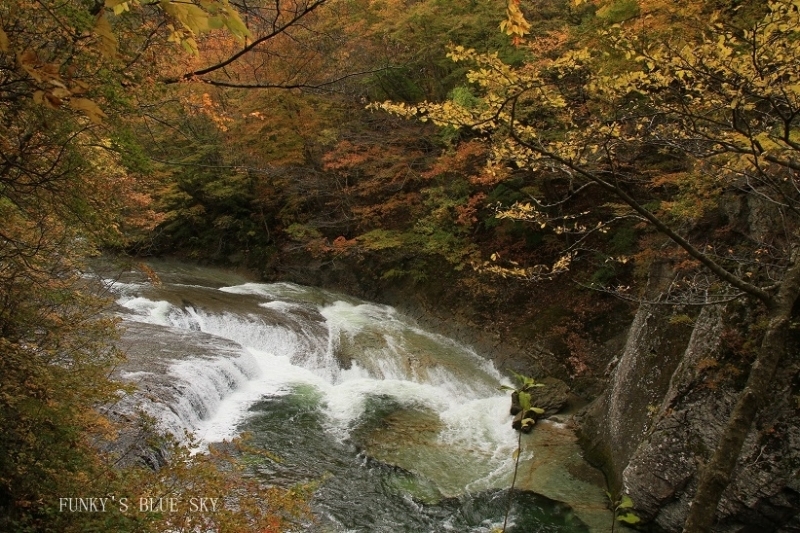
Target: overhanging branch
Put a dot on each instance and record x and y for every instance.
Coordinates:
(234, 85)
(614, 188)
(277, 30)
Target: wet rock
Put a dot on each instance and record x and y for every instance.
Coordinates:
(553, 397)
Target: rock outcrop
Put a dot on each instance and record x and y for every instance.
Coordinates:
(669, 396)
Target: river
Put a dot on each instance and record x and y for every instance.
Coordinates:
(402, 429)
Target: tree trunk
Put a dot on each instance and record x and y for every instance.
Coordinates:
(716, 474)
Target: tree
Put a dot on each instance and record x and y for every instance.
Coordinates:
(72, 74)
(722, 100)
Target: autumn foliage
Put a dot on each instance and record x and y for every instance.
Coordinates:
(561, 141)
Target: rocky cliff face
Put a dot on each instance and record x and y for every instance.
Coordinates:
(669, 395)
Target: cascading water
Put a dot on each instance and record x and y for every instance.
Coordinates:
(405, 430)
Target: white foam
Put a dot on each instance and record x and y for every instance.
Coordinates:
(480, 424)
(278, 305)
(276, 378)
(345, 402)
(149, 311)
(351, 319)
(273, 291)
(386, 354)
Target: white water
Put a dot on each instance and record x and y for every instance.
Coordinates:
(349, 351)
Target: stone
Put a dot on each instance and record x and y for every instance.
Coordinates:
(552, 397)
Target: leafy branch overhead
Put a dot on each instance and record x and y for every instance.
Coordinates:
(284, 44)
(187, 21)
(58, 60)
(728, 102)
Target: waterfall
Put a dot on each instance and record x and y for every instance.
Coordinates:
(348, 350)
(340, 389)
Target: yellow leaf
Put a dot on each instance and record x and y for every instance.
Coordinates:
(107, 41)
(515, 23)
(47, 99)
(5, 45)
(28, 61)
(88, 108)
(60, 92)
(195, 19)
(121, 8)
(190, 45)
(79, 87)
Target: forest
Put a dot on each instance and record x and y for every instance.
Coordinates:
(590, 188)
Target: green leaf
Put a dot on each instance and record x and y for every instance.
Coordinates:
(524, 400)
(526, 382)
(625, 502)
(629, 518)
(537, 410)
(234, 23)
(190, 45)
